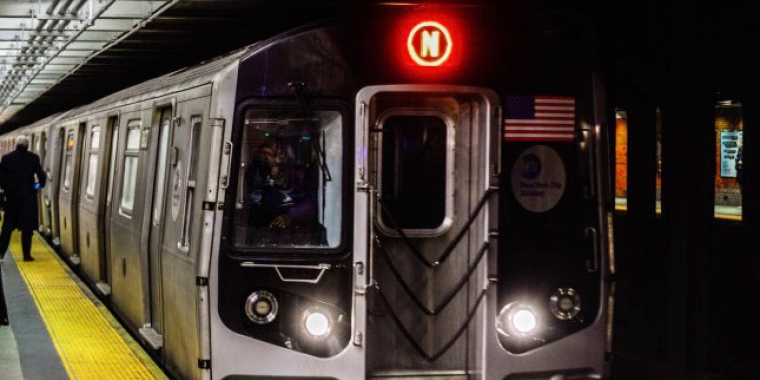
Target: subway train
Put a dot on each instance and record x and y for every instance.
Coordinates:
(405, 191)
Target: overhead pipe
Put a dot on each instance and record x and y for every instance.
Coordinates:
(38, 28)
(73, 11)
(62, 11)
(41, 23)
(124, 36)
(28, 48)
(68, 41)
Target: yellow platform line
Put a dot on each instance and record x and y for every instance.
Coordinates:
(89, 340)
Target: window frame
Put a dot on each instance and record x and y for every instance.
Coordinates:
(448, 217)
(299, 253)
(131, 160)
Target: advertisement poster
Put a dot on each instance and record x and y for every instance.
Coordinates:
(730, 141)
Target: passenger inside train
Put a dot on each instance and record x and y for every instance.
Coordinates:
(281, 192)
(284, 178)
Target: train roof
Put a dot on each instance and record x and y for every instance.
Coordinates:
(39, 124)
(187, 77)
(47, 120)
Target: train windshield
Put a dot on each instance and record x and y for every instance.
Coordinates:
(289, 184)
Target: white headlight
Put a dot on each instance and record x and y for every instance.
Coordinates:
(524, 321)
(317, 322)
(517, 319)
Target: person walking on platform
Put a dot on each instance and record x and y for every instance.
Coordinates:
(18, 170)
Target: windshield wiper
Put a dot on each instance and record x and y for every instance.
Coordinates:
(297, 88)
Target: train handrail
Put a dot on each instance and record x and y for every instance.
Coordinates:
(320, 267)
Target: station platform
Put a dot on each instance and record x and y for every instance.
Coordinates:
(58, 328)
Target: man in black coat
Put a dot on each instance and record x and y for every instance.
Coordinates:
(18, 170)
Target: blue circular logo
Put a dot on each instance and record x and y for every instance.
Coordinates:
(531, 166)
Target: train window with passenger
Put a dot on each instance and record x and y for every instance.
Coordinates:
(129, 178)
(290, 180)
(92, 165)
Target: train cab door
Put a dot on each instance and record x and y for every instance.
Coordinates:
(428, 170)
(161, 129)
(68, 192)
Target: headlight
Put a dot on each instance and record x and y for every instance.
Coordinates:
(261, 307)
(517, 319)
(317, 322)
(565, 303)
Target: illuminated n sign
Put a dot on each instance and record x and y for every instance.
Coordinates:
(429, 44)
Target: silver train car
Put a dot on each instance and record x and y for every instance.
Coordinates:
(408, 191)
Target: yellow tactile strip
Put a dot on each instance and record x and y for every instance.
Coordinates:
(88, 338)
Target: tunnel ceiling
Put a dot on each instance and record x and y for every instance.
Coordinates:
(57, 54)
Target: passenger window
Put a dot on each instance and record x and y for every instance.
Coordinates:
(413, 173)
(129, 179)
(68, 170)
(159, 190)
(193, 143)
(92, 165)
(112, 161)
(290, 180)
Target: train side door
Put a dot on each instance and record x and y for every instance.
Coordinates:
(178, 249)
(45, 206)
(162, 132)
(38, 144)
(128, 265)
(54, 173)
(68, 193)
(429, 167)
(111, 149)
(89, 214)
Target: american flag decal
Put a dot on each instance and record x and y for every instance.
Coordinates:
(539, 118)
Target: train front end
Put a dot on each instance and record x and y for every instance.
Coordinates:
(416, 191)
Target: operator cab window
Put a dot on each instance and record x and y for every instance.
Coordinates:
(289, 192)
